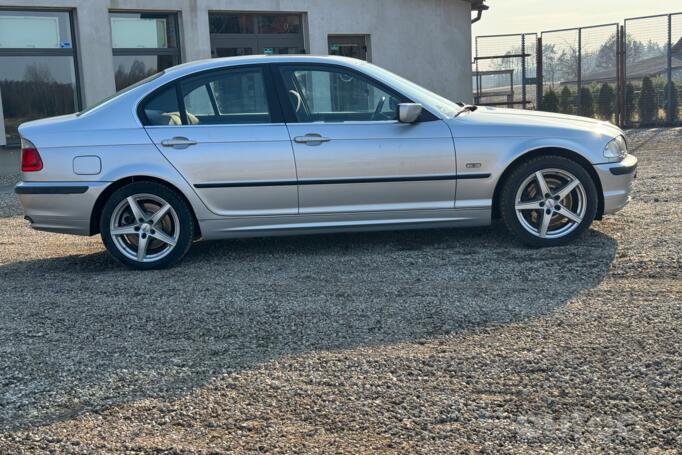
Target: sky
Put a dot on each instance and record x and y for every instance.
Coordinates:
(528, 16)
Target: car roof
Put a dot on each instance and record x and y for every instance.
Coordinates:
(200, 65)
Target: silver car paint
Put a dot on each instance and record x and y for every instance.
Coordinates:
(375, 150)
(483, 142)
(235, 153)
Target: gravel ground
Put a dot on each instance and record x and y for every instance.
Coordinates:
(424, 341)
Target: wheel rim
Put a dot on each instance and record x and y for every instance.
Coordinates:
(551, 203)
(144, 227)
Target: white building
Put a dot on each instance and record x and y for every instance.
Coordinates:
(59, 56)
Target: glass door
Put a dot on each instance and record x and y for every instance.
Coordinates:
(354, 46)
(235, 34)
(222, 46)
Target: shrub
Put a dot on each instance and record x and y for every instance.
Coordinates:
(630, 103)
(648, 110)
(675, 107)
(566, 101)
(586, 102)
(550, 102)
(606, 101)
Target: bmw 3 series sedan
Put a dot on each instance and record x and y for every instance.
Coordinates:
(281, 145)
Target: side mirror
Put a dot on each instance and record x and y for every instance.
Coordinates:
(409, 112)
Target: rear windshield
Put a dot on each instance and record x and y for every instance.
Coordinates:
(121, 92)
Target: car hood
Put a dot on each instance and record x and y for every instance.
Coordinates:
(488, 121)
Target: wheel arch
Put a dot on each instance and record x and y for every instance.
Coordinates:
(109, 190)
(543, 151)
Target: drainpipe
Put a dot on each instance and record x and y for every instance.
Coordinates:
(479, 6)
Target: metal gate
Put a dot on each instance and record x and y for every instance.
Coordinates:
(505, 70)
(630, 75)
(653, 70)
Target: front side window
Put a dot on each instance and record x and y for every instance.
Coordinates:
(37, 68)
(227, 97)
(337, 95)
(143, 44)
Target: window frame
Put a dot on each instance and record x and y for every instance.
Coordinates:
(255, 39)
(149, 51)
(290, 114)
(275, 110)
(72, 51)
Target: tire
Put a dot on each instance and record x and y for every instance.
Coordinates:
(155, 234)
(543, 221)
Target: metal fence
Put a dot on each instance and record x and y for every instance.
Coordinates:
(630, 75)
(580, 71)
(505, 70)
(653, 70)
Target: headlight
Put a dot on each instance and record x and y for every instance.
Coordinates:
(616, 149)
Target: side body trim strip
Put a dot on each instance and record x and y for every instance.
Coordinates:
(341, 181)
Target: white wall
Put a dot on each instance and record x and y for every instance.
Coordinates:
(427, 41)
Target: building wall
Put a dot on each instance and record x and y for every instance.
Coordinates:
(427, 41)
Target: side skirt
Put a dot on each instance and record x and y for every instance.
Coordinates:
(265, 226)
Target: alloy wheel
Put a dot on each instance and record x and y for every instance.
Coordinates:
(551, 203)
(145, 227)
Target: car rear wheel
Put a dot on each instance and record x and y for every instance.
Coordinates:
(548, 201)
(146, 225)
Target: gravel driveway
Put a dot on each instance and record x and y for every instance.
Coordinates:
(424, 341)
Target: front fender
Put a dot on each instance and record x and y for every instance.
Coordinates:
(493, 155)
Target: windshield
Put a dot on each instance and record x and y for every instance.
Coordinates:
(121, 92)
(412, 90)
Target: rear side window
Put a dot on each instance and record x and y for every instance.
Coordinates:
(162, 108)
(228, 97)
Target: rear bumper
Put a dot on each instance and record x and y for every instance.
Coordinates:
(63, 207)
(616, 181)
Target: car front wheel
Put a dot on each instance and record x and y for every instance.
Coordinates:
(146, 225)
(548, 201)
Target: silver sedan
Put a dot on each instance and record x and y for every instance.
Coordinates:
(280, 145)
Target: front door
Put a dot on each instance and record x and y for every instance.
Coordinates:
(228, 141)
(352, 154)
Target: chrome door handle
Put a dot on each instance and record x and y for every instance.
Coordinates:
(178, 142)
(311, 138)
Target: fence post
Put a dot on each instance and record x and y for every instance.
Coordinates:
(623, 73)
(620, 87)
(477, 96)
(523, 70)
(580, 71)
(539, 83)
(669, 87)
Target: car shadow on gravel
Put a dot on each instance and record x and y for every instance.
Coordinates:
(81, 333)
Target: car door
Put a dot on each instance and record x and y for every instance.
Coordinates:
(228, 140)
(352, 154)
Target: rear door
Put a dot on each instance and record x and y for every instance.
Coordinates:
(223, 131)
(353, 155)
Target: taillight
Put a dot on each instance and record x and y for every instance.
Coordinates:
(30, 158)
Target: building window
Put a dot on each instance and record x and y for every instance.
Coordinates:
(354, 46)
(143, 44)
(235, 34)
(37, 67)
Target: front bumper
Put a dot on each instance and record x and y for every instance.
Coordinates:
(616, 181)
(64, 207)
